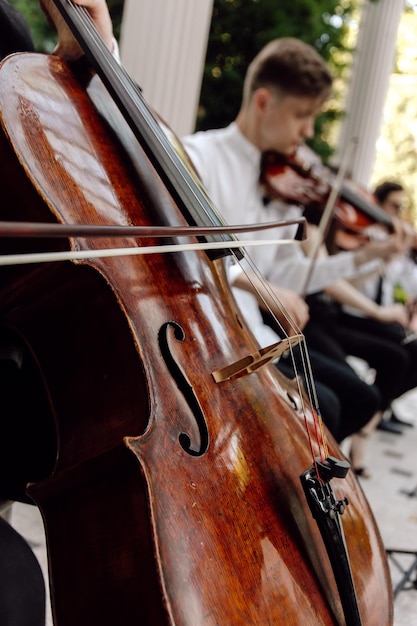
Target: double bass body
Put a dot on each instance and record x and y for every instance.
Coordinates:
(169, 498)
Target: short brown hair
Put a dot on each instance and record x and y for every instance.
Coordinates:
(384, 189)
(290, 66)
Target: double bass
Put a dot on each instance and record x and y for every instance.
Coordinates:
(170, 495)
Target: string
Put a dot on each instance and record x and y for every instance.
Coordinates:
(309, 379)
(266, 294)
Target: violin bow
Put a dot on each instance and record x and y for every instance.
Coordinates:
(27, 230)
(328, 212)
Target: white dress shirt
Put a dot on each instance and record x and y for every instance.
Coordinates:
(229, 167)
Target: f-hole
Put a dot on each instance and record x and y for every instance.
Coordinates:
(186, 389)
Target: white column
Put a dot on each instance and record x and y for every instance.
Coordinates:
(372, 65)
(163, 47)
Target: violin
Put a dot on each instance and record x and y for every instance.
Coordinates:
(175, 493)
(304, 180)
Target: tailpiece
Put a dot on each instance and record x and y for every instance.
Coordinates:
(326, 510)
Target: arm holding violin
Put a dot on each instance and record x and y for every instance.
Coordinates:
(399, 242)
(346, 294)
(343, 292)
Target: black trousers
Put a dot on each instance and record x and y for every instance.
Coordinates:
(355, 337)
(395, 363)
(346, 402)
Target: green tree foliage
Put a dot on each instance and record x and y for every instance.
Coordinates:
(43, 34)
(240, 28)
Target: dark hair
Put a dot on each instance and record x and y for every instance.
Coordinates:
(14, 32)
(384, 189)
(291, 66)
